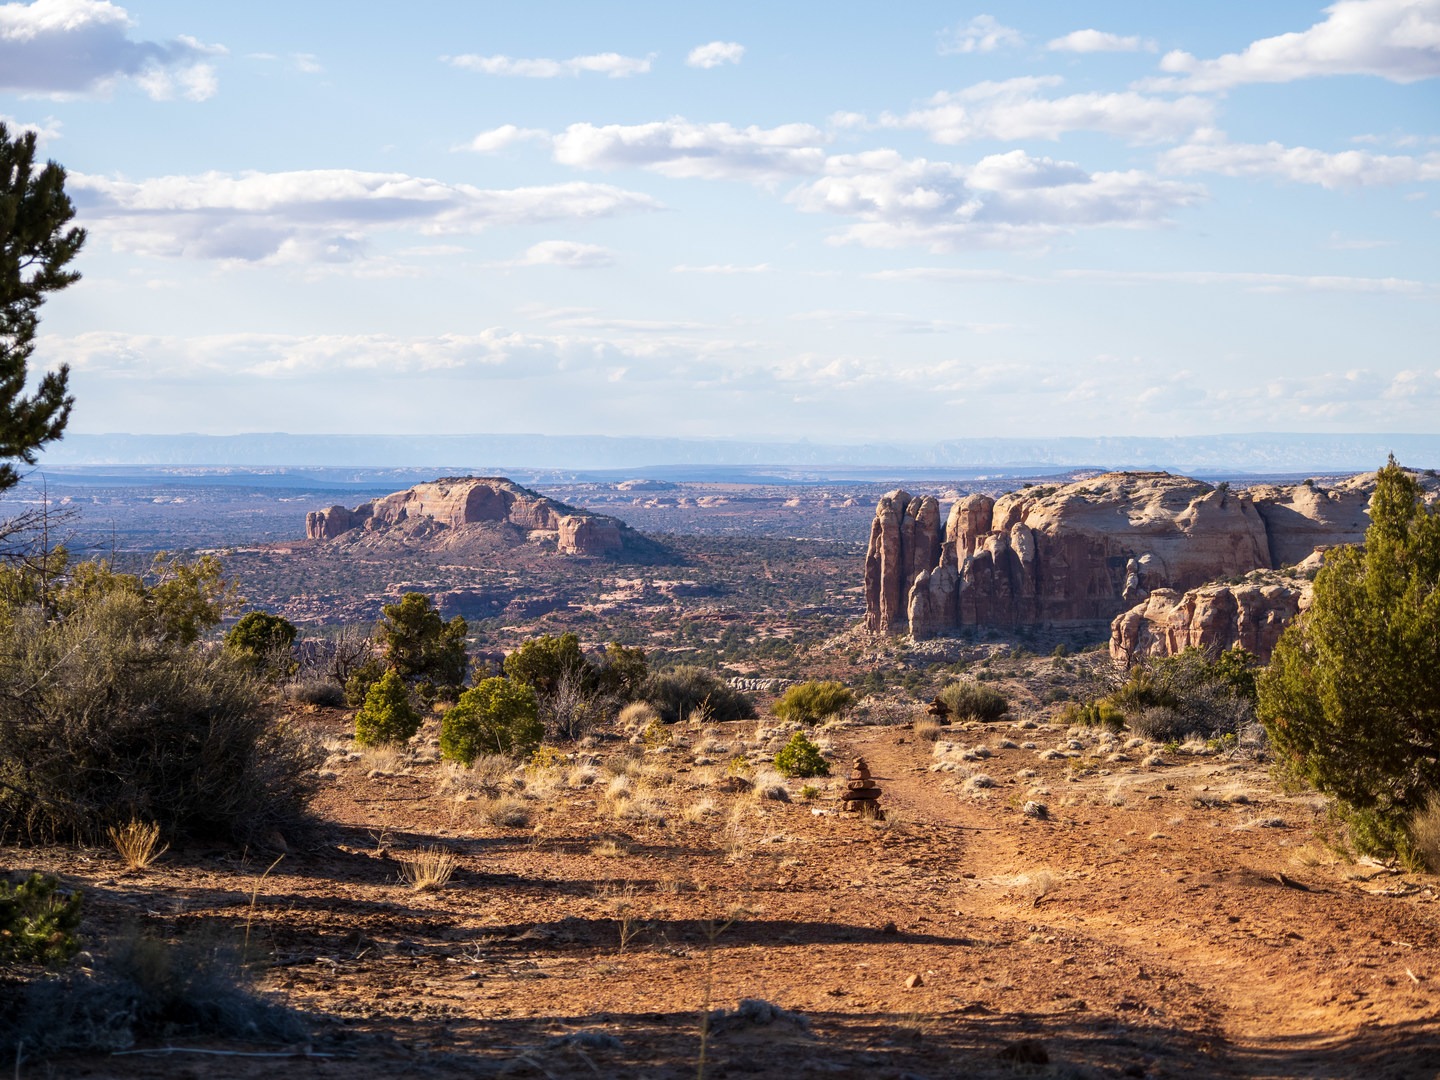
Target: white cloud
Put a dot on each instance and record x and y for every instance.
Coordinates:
(679, 148)
(1397, 40)
(1012, 110)
(981, 34)
(1259, 282)
(1300, 164)
(612, 64)
(504, 136)
(1092, 41)
(65, 47)
(318, 215)
(715, 53)
(45, 133)
(568, 254)
(1004, 200)
(723, 268)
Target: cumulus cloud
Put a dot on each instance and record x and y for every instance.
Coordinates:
(65, 47)
(715, 54)
(568, 254)
(680, 148)
(1092, 41)
(1004, 200)
(317, 215)
(1013, 109)
(612, 64)
(1299, 164)
(1397, 40)
(981, 34)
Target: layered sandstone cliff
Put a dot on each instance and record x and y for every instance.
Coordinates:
(455, 503)
(1090, 550)
(1249, 616)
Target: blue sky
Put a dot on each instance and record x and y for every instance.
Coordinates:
(812, 221)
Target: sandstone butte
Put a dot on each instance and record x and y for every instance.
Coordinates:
(1144, 549)
(444, 510)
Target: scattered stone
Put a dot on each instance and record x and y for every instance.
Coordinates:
(914, 981)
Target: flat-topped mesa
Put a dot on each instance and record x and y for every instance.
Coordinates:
(1089, 550)
(453, 502)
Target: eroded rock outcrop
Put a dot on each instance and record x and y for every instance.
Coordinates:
(1250, 616)
(1090, 550)
(455, 503)
(904, 543)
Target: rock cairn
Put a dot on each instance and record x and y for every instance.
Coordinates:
(862, 794)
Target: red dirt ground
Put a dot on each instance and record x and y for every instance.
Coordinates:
(1178, 918)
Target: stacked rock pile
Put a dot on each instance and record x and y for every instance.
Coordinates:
(862, 794)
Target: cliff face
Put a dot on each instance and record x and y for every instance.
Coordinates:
(1088, 550)
(1213, 618)
(454, 503)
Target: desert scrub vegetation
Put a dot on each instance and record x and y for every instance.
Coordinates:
(1167, 698)
(814, 702)
(974, 701)
(1351, 699)
(125, 716)
(496, 716)
(386, 716)
(801, 758)
(38, 922)
(688, 691)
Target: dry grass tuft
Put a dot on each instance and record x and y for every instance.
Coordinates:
(1425, 834)
(928, 728)
(427, 869)
(505, 811)
(137, 843)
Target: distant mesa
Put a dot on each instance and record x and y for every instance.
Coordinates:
(1144, 549)
(452, 510)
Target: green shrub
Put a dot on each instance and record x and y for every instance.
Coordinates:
(365, 675)
(971, 701)
(683, 690)
(37, 922)
(264, 642)
(387, 715)
(814, 701)
(542, 663)
(424, 650)
(801, 757)
(123, 718)
(1095, 714)
(1351, 700)
(496, 716)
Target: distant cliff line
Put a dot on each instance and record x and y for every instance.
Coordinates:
(1274, 452)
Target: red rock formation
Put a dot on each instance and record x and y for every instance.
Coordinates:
(1089, 550)
(456, 502)
(1212, 617)
(904, 543)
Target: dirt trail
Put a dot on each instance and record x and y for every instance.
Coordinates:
(1157, 920)
(1291, 961)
